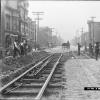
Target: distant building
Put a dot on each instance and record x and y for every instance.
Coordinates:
(44, 36)
(23, 15)
(46, 39)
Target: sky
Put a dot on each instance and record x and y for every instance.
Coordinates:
(66, 17)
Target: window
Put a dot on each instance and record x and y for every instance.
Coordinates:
(7, 22)
(14, 26)
(22, 13)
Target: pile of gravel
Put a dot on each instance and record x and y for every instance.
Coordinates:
(14, 67)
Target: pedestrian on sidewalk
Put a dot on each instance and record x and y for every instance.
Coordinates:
(90, 49)
(79, 46)
(96, 50)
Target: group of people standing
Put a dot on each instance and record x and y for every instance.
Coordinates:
(93, 50)
(19, 48)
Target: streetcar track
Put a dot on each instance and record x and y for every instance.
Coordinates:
(37, 64)
(35, 86)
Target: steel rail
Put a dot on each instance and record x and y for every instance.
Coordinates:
(14, 80)
(38, 97)
(44, 64)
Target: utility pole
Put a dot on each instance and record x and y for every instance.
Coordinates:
(77, 36)
(84, 38)
(81, 34)
(37, 28)
(92, 18)
(35, 35)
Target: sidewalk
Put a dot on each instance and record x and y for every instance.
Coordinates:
(92, 68)
(81, 73)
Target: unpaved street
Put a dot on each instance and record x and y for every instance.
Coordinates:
(79, 75)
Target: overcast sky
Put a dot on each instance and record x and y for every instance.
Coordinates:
(66, 16)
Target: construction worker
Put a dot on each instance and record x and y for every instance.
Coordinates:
(15, 49)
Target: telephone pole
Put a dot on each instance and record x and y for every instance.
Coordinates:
(77, 36)
(81, 33)
(37, 27)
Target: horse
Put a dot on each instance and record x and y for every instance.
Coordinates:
(66, 45)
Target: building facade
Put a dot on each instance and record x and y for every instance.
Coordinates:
(44, 36)
(31, 31)
(94, 31)
(13, 20)
(23, 15)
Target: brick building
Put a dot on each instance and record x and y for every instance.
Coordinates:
(13, 21)
(31, 31)
(94, 31)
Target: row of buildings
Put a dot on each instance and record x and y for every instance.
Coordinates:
(91, 36)
(45, 38)
(15, 23)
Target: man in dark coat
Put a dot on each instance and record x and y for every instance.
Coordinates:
(96, 50)
(21, 48)
(16, 49)
(90, 49)
(79, 46)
